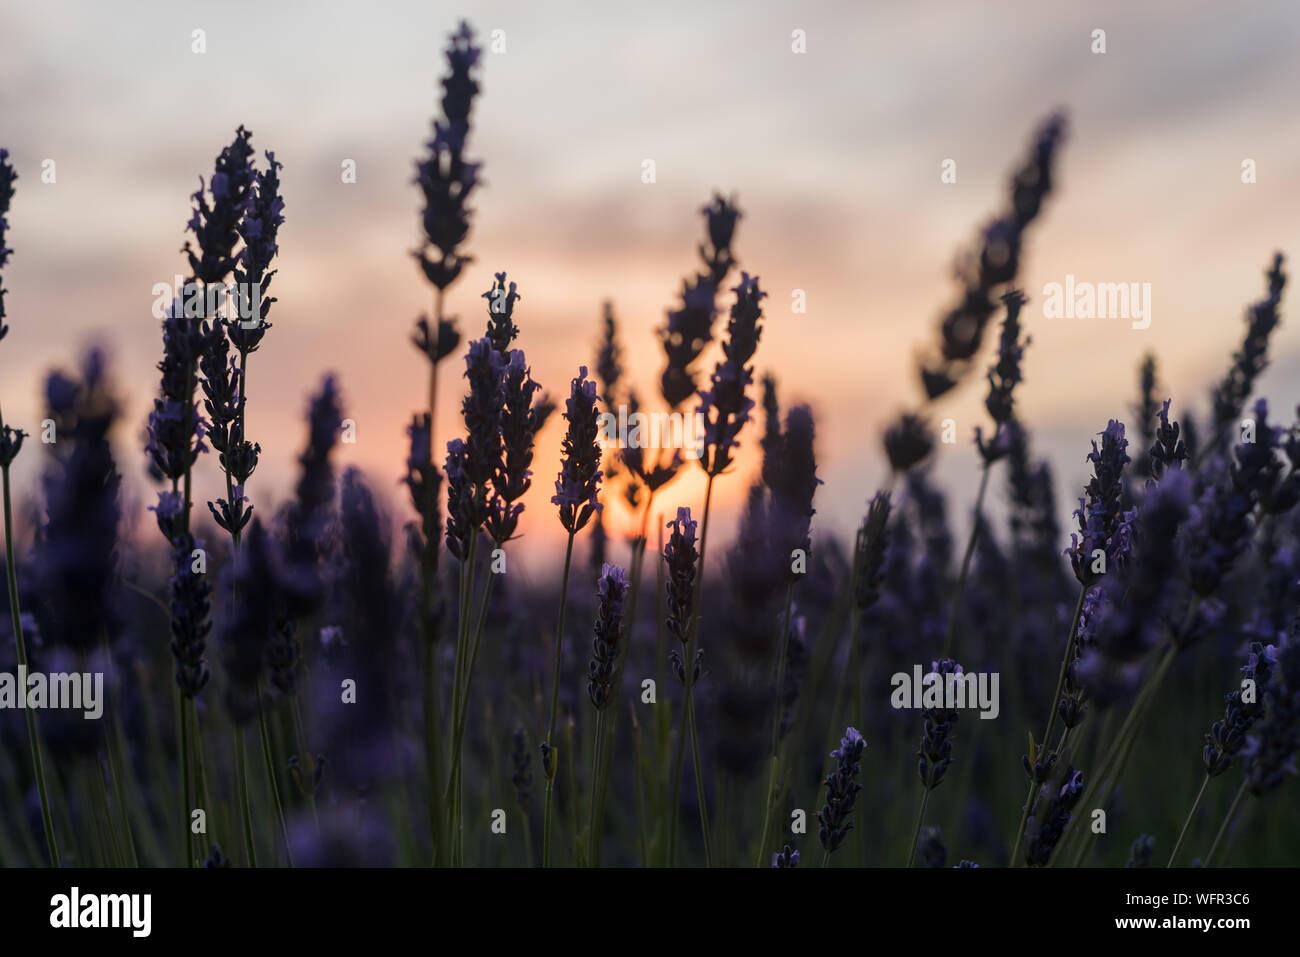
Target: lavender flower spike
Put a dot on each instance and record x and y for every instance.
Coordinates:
(7, 177)
(577, 486)
(842, 789)
(725, 406)
(612, 590)
(681, 557)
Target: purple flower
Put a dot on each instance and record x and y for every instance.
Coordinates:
(1101, 514)
(215, 224)
(501, 330)
(690, 328)
(993, 263)
(1168, 451)
(521, 419)
(935, 753)
(1047, 824)
(7, 177)
(1230, 396)
(842, 789)
(578, 483)
(1228, 736)
(787, 857)
(726, 406)
(605, 648)
(681, 556)
(1275, 738)
(445, 176)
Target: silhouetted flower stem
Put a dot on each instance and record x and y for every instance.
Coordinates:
(245, 812)
(186, 785)
(264, 734)
(308, 777)
(688, 717)
(1188, 823)
(548, 751)
(15, 616)
(459, 693)
(458, 739)
(916, 833)
(783, 650)
(1227, 821)
(1034, 785)
(966, 560)
(1112, 763)
(597, 770)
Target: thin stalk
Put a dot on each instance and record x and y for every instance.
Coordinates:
(428, 584)
(611, 726)
(101, 792)
(571, 781)
(185, 781)
(1065, 665)
(916, 833)
(638, 775)
(432, 750)
(1227, 820)
(689, 715)
(783, 649)
(308, 766)
(555, 705)
(1112, 764)
(245, 811)
(593, 815)
(265, 735)
(16, 621)
(1188, 823)
(1031, 795)
(965, 562)
(458, 740)
(112, 739)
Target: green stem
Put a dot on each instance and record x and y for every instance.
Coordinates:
(1065, 666)
(783, 650)
(1032, 794)
(101, 792)
(1227, 820)
(916, 833)
(688, 718)
(1112, 764)
(966, 560)
(265, 735)
(185, 780)
(16, 620)
(245, 810)
(458, 740)
(1188, 823)
(593, 815)
(555, 706)
(306, 765)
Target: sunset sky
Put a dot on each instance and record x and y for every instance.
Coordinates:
(834, 156)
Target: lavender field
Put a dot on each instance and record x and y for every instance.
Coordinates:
(612, 616)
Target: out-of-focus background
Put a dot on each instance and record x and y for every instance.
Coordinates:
(834, 156)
